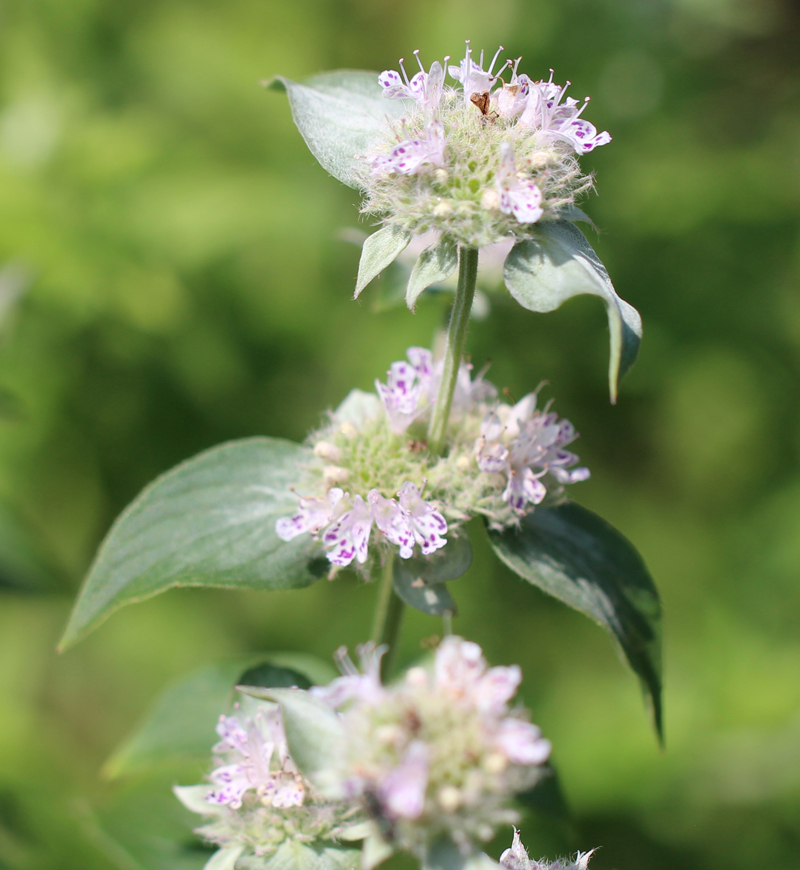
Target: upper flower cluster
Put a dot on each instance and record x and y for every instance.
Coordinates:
(439, 752)
(481, 160)
(372, 465)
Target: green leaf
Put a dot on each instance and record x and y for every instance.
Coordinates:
(314, 731)
(145, 827)
(180, 727)
(208, 522)
(433, 600)
(559, 263)
(342, 115)
(380, 250)
(444, 854)
(572, 554)
(294, 855)
(375, 851)
(419, 581)
(436, 263)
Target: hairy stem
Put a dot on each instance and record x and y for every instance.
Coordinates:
(388, 613)
(456, 337)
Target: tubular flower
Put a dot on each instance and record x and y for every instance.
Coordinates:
(481, 160)
(258, 800)
(374, 487)
(440, 752)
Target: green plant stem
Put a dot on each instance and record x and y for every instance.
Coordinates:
(388, 613)
(456, 337)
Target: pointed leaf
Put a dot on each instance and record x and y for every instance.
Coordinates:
(145, 827)
(224, 859)
(379, 251)
(294, 855)
(375, 851)
(180, 726)
(436, 263)
(575, 556)
(559, 263)
(208, 522)
(314, 731)
(419, 581)
(341, 115)
(433, 600)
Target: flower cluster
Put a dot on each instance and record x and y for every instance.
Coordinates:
(440, 752)
(481, 160)
(258, 800)
(516, 858)
(372, 465)
(501, 461)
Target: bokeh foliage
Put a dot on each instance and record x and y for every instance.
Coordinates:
(174, 279)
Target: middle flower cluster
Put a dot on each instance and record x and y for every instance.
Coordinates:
(372, 465)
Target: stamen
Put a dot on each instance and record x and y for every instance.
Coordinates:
(585, 104)
(416, 55)
(405, 74)
(344, 662)
(494, 59)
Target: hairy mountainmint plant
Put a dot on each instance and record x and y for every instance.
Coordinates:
(456, 162)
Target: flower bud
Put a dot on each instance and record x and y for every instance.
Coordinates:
(327, 451)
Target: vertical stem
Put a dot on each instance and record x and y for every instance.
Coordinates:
(456, 337)
(388, 613)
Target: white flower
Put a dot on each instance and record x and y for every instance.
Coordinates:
(411, 388)
(403, 790)
(471, 75)
(425, 88)
(525, 446)
(362, 685)
(314, 514)
(545, 112)
(426, 523)
(411, 156)
(348, 537)
(407, 392)
(518, 195)
(248, 749)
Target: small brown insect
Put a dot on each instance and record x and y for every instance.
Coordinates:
(482, 102)
(417, 446)
(375, 810)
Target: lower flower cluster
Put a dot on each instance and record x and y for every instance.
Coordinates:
(440, 753)
(372, 466)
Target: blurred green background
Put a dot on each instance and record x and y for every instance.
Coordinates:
(172, 278)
